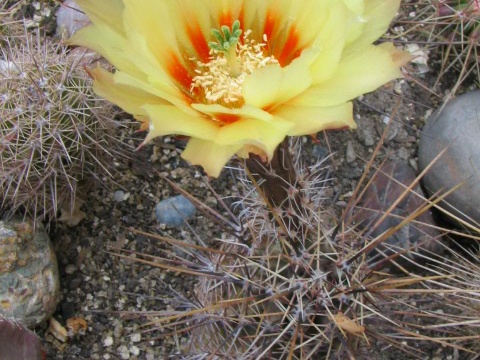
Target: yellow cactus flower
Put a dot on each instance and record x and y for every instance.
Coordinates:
(238, 76)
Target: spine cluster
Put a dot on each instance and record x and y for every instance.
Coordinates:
(53, 129)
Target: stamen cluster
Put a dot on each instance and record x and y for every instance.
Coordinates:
(215, 79)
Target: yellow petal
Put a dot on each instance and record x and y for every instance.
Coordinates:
(170, 94)
(357, 6)
(246, 111)
(261, 88)
(107, 42)
(147, 46)
(104, 12)
(272, 85)
(330, 41)
(356, 75)
(312, 18)
(266, 17)
(169, 119)
(310, 120)
(254, 132)
(128, 98)
(133, 57)
(376, 19)
(151, 36)
(146, 61)
(252, 127)
(154, 21)
(245, 152)
(399, 57)
(210, 156)
(290, 26)
(131, 71)
(195, 19)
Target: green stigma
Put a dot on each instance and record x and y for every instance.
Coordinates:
(227, 44)
(226, 39)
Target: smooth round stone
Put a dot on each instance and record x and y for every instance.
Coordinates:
(457, 127)
(118, 196)
(29, 281)
(174, 211)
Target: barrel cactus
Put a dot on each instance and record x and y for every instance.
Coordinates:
(53, 129)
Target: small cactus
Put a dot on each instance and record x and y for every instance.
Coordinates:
(294, 281)
(290, 288)
(53, 129)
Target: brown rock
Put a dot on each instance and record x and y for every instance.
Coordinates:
(412, 239)
(18, 343)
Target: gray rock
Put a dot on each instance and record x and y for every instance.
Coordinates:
(29, 281)
(174, 211)
(457, 127)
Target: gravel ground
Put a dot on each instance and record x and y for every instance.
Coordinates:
(116, 295)
(119, 296)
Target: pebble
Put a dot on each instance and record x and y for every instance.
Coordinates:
(381, 194)
(350, 153)
(108, 341)
(403, 153)
(368, 138)
(123, 352)
(458, 127)
(70, 19)
(29, 279)
(134, 350)
(136, 337)
(119, 196)
(118, 330)
(70, 269)
(174, 211)
(366, 132)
